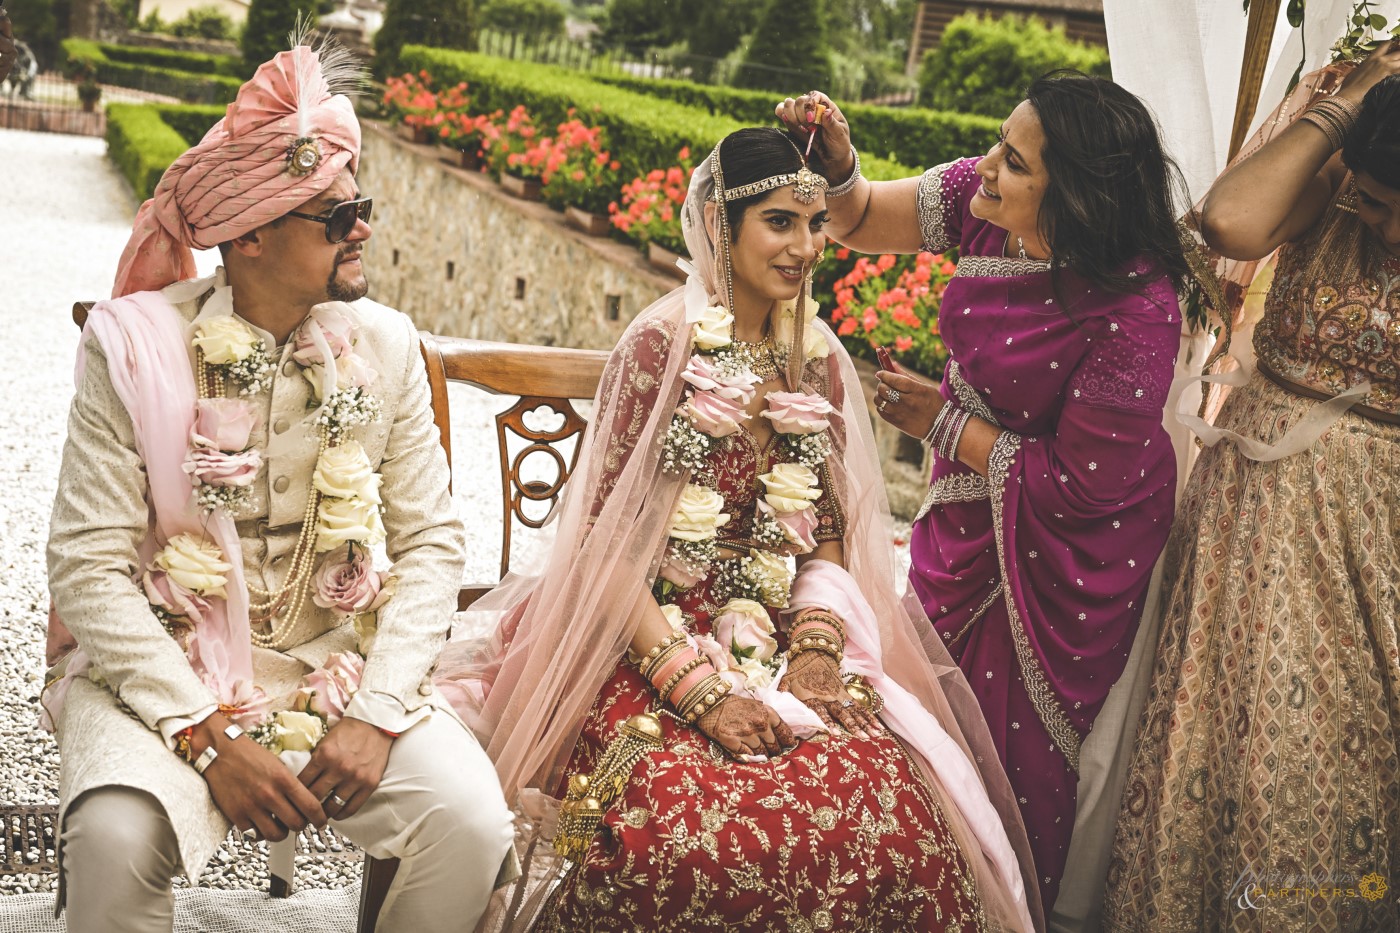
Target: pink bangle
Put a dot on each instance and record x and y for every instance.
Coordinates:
(673, 664)
(689, 683)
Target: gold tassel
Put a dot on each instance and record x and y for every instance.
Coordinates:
(796, 357)
(588, 795)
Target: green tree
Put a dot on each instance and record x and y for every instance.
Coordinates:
(535, 18)
(985, 65)
(638, 24)
(714, 29)
(446, 24)
(204, 22)
(42, 25)
(268, 24)
(789, 50)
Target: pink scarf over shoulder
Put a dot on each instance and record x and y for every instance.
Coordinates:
(148, 360)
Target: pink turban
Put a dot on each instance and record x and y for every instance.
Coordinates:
(283, 141)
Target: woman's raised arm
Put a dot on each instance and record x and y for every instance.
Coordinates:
(1275, 195)
(872, 217)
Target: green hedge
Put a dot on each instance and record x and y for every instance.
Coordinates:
(190, 121)
(644, 132)
(230, 66)
(114, 65)
(908, 136)
(141, 144)
(143, 139)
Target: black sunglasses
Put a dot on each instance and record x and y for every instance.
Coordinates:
(341, 218)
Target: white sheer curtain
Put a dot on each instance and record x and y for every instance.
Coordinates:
(1183, 58)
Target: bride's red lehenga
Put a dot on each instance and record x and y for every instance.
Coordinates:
(839, 834)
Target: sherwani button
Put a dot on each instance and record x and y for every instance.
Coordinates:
(281, 483)
(289, 368)
(426, 689)
(280, 426)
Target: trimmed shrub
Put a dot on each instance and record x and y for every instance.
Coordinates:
(985, 65)
(539, 19)
(111, 64)
(204, 22)
(141, 144)
(200, 63)
(913, 137)
(644, 132)
(268, 24)
(446, 24)
(190, 122)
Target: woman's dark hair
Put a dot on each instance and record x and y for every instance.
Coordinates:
(1373, 144)
(749, 155)
(1112, 193)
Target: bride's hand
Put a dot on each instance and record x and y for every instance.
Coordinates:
(815, 679)
(747, 727)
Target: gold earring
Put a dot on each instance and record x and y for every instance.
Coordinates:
(1347, 202)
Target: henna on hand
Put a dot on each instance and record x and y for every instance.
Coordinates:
(813, 674)
(815, 679)
(746, 727)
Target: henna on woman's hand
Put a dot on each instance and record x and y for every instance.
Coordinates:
(815, 679)
(747, 727)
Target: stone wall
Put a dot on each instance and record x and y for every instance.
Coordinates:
(463, 258)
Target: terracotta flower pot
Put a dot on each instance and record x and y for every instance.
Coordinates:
(591, 224)
(414, 134)
(469, 159)
(527, 189)
(664, 260)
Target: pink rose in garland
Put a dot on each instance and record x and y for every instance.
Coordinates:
(680, 572)
(171, 598)
(328, 690)
(713, 414)
(348, 583)
(798, 412)
(249, 706)
(223, 423)
(334, 326)
(799, 527)
(221, 468)
(706, 377)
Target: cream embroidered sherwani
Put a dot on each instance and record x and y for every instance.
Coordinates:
(115, 725)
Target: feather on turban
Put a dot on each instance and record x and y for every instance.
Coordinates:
(283, 141)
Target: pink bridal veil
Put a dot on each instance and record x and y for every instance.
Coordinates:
(558, 634)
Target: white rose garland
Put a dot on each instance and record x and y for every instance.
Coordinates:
(190, 571)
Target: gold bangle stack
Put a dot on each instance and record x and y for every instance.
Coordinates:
(1335, 116)
(702, 698)
(816, 639)
(660, 653)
